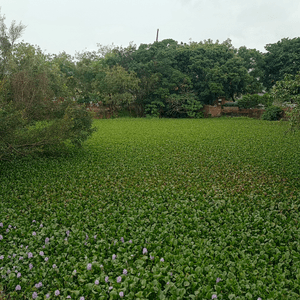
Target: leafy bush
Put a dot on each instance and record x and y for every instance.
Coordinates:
(183, 105)
(266, 100)
(249, 101)
(21, 136)
(272, 113)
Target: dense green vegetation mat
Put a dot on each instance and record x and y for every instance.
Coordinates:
(156, 209)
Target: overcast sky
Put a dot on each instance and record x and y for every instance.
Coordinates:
(76, 25)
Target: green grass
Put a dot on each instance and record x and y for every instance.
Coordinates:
(213, 198)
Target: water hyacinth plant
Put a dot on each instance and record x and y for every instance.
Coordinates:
(156, 209)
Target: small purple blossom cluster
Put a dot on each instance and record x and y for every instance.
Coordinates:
(18, 288)
(38, 285)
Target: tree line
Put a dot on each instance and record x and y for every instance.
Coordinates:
(166, 78)
(40, 93)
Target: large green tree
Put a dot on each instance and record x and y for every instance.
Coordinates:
(216, 70)
(8, 37)
(281, 58)
(37, 112)
(116, 87)
(253, 61)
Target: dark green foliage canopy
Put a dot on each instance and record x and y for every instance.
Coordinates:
(281, 58)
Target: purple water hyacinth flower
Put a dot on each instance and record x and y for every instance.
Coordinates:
(44, 247)
(171, 274)
(96, 281)
(85, 243)
(119, 279)
(214, 296)
(168, 282)
(259, 298)
(145, 251)
(122, 239)
(151, 257)
(218, 280)
(15, 227)
(89, 267)
(81, 298)
(8, 271)
(86, 237)
(67, 232)
(14, 255)
(1, 224)
(41, 226)
(1, 237)
(74, 271)
(121, 294)
(21, 246)
(162, 260)
(34, 295)
(9, 226)
(46, 259)
(95, 236)
(1, 257)
(9, 256)
(65, 239)
(26, 247)
(106, 279)
(30, 266)
(114, 256)
(47, 240)
(21, 258)
(18, 288)
(125, 272)
(19, 275)
(68, 297)
(7, 230)
(110, 288)
(34, 233)
(54, 266)
(41, 253)
(48, 296)
(57, 292)
(33, 221)
(130, 241)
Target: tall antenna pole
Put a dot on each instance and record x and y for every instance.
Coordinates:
(157, 35)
